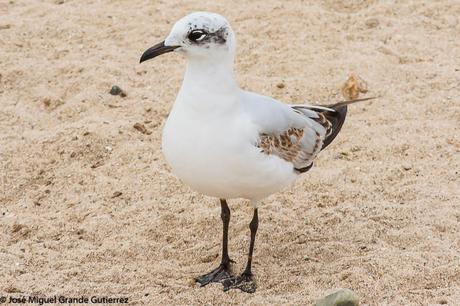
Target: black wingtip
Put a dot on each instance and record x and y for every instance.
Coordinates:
(337, 119)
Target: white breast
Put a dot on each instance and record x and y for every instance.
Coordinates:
(214, 153)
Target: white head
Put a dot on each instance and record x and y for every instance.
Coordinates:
(200, 35)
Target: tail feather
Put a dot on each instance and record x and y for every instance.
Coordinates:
(348, 102)
(337, 117)
(331, 118)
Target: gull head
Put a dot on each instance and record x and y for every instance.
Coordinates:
(200, 35)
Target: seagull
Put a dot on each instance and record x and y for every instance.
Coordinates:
(228, 143)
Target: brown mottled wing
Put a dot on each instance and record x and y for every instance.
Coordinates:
(292, 146)
(301, 145)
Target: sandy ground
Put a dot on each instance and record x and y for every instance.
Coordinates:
(379, 213)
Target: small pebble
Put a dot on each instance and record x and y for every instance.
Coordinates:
(117, 91)
(209, 257)
(141, 128)
(97, 164)
(340, 297)
(307, 258)
(280, 85)
(116, 194)
(372, 23)
(46, 102)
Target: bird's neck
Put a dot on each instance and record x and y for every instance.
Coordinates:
(210, 75)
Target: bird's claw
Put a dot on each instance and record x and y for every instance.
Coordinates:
(218, 275)
(244, 282)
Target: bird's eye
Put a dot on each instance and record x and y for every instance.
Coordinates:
(197, 35)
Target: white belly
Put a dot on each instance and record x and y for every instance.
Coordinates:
(218, 158)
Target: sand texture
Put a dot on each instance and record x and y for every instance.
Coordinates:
(88, 205)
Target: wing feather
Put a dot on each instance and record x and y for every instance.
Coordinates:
(295, 133)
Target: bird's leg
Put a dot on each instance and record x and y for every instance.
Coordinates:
(222, 272)
(245, 282)
(225, 215)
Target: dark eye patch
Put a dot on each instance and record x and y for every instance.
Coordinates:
(197, 35)
(204, 36)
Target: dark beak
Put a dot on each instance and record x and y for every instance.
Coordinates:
(156, 50)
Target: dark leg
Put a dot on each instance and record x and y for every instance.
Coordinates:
(222, 272)
(244, 282)
(225, 215)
